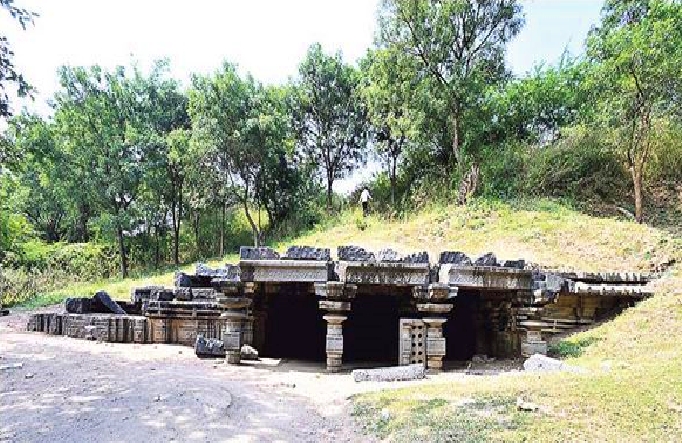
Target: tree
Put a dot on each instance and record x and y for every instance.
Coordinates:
(104, 122)
(8, 73)
(387, 89)
(330, 117)
(457, 46)
(240, 124)
(638, 55)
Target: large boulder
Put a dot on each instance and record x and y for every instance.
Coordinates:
(542, 363)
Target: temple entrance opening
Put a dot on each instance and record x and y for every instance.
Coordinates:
(293, 326)
(371, 333)
(461, 329)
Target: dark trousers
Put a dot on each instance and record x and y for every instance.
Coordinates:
(365, 209)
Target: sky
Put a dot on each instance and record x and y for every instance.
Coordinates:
(267, 38)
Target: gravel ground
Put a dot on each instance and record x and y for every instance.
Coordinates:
(77, 390)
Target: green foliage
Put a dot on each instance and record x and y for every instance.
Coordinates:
(581, 165)
(571, 347)
(329, 115)
(8, 73)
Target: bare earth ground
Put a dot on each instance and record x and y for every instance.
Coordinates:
(77, 390)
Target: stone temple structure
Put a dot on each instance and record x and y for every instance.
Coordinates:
(379, 308)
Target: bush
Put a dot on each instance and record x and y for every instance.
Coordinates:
(581, 165)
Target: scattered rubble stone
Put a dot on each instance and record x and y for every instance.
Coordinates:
(307, 253)
(523, 405)
(4, 312)
(11, 366)
(227, 272)
(455, 258)
(209, 347)
(388, 255)
(354, 253)
(101, 303)
(542, 363)
(391, 373)
(182, 280)
(419, 257)
(251, 253)
(514, 264)
(249, 353)
(488, 259)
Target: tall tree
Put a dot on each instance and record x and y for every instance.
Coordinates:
(330, 116)
(103, 118)
(458, 47)
(8, 73)
(240, 124)
(639, 57)
(388, 87)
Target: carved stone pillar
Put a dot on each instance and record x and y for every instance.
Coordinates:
(435, 343)
(238, 324)
(435, 317)
(335, 301)
(334, 345)
(233, 336)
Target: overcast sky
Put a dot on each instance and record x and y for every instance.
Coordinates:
(265, 37)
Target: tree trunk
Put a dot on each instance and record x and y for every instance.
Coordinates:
(637, 184)
(196, 232)
(222, 232)
(330, 182)
(157, 248)
(254, 227)
(176, 227)
(393, 181)
(122, 251)
(455, 134)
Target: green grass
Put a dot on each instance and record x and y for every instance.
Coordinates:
(118, 289)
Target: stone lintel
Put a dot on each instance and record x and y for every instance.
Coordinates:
(285, 270)
(382, 273)
(434, 308)
(334, 306)
(335, 290)
(486, 277)
(235, 302)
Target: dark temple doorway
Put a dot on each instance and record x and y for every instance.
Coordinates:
(461, 329)
(371, 332)
(294, 327)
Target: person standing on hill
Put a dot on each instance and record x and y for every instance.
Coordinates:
(364, 199)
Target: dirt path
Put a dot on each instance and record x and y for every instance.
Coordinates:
(77, 390)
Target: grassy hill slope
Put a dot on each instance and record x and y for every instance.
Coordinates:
(632, 390)
(541, 231)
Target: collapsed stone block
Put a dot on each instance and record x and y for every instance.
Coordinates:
(455, 258)
(392, 373)
(209, 347)
(488, 259)
(251, 253)
(307, 253)
(354, 253)
(79, 305)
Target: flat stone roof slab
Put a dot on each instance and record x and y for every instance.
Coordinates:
(283, 271)
(486, 277)
(381, 273)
